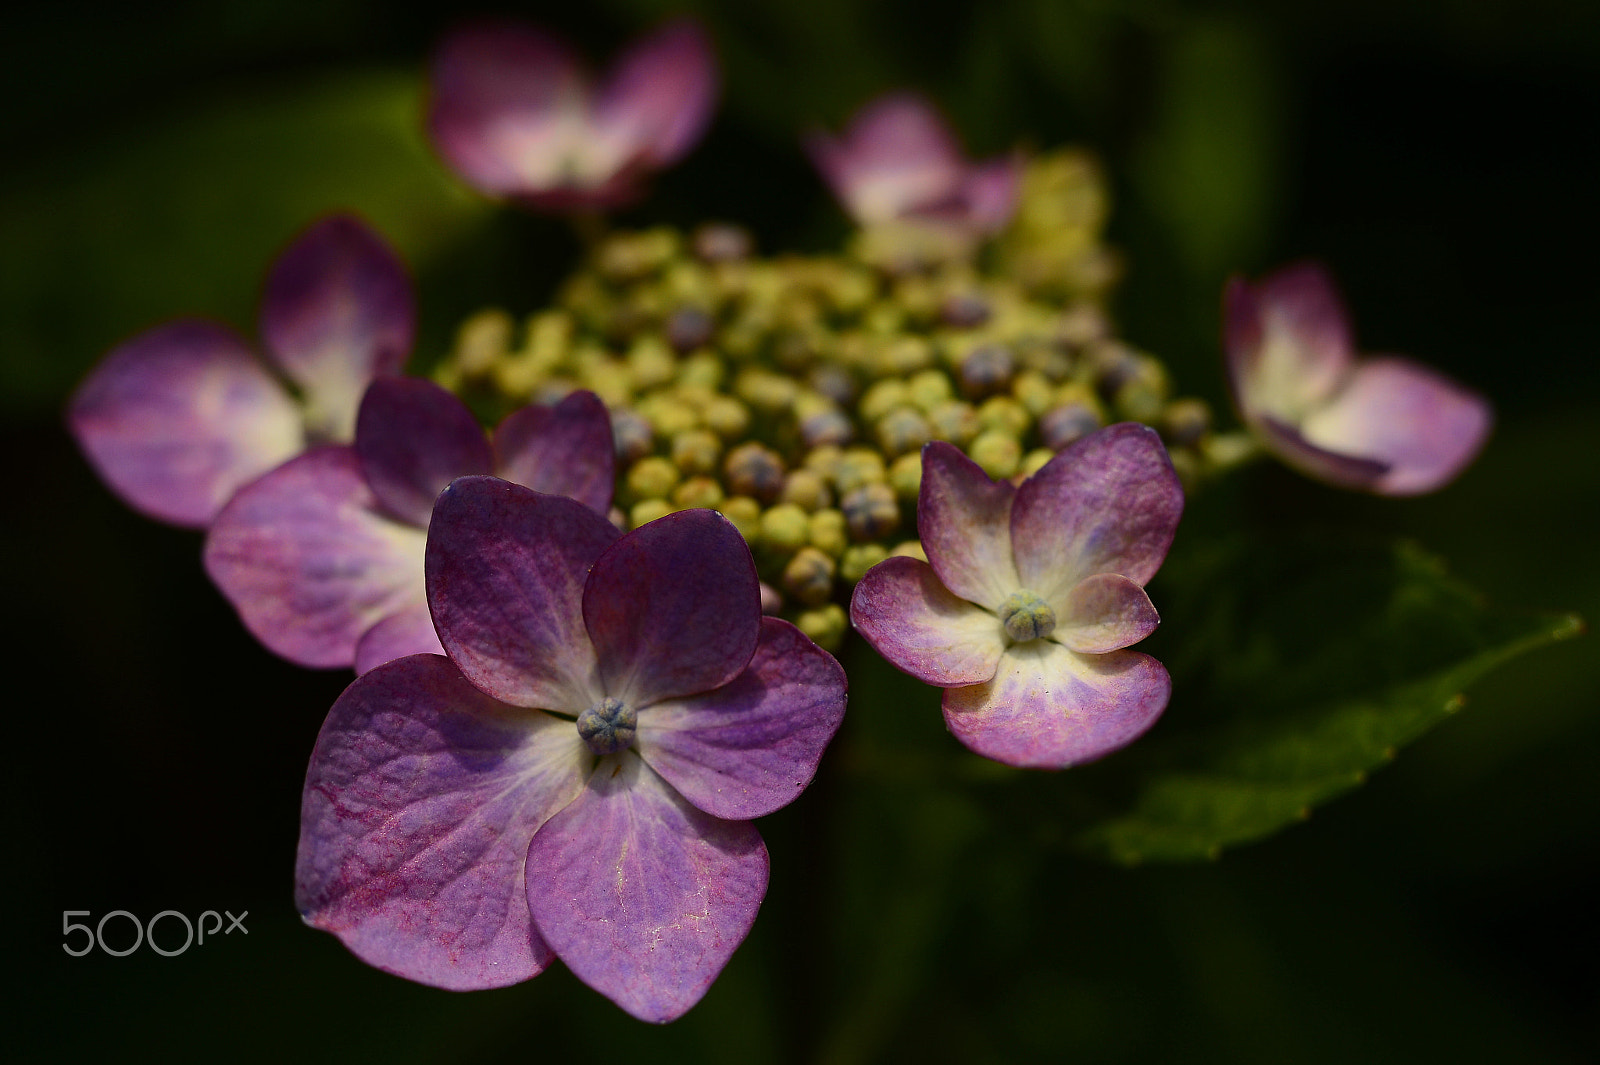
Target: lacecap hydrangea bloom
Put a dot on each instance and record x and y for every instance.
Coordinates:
(1030, 595)
(176, 419)
(323, 556)
(577, 778)
(1383, 424)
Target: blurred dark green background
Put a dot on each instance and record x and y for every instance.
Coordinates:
(1440, 156)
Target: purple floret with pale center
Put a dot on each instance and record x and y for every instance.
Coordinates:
(323, 556)
(1030, 596)
(1383, 424)
(577, 778)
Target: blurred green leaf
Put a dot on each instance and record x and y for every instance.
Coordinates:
(1301, 670)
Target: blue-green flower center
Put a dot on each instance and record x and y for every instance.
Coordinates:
(609, 726)
(1026, 616)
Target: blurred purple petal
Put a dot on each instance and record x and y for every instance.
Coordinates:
(659, 94)
(750, 746)
(309, 563)
(408, 631)
(1105, 612)
(1345, 471)
(642, 895)
(1423, 425)
(505, 575)
(1048, 707)
(420, 801)
(913, 620)
(337, 312)
(1287, 340)
(1108, 503)
(965, 522)
(414, 438)
(989, 192)
(179, 417)
(564, 450)
(897, 156)
(673, 608)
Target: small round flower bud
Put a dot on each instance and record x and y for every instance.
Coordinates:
(986, 369)
(902, 430)
(883, 318)
(826, 625)
(1143, 394)
(697, 492)
(721, 242)
(858, 558)
(823, 460)
(1005, 414)
(703, 369)
(628, 256)
(1035, 460)
(917, 297)
(1026, 616)
(870, 511)
(794, 350)
(1082, 324)
(910, 549)
(857, 466)
(651, 362)
(689, 328)
(850, 289)
(1185, 421)
(647, 510)
(652, 477)
(827, 532)
(631, 435)
(696, 451)
(1045, 359)
(997, 452)
(955, 421)
(727, 417)
(608, 726)
(785, 528)
(906, 355)
(809, 576)
(1034, 391)
(826, 427)
(765, 390)
(482, 340)
(832, 381)
(928, 389)
(667, 414)
(754, 470)
(745, 514)
(1067, 423)
(882, 398)
(905, 476)
(806, 489)
(964, 310)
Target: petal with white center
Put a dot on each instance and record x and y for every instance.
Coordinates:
(914, 621)
(1105, 612)
(965, 521)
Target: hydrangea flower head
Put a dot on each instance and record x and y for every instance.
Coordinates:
(1030, 596)
(577, 778)
(179, 417)
(515, 113)
(323, 556)
(1383, 424)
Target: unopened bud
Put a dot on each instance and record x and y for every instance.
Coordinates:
(727, 417)
(785, 528)
(857, 466)
(955, 421)
(1034, 461)
(905, 476)
(652, 477)
(997, 452)
(697, 492)
(482, 340)
(745, 514)
(883, 397)
(830, 426)
(986, 369)
(834, 382)
(631, 435)
(648, 510)
(827, 532)
(826, 625)
(806, 489)
(1062, 426)
(1034, 391)
(1004, 414)
(754, 470)
(929, 389)
(809, 576)
(720, 242)
(903, 429)
(909, 549)
(964, 310)
(696, 451)
(870, 511)
(858, 558)
(689, 328)
(1185, 421)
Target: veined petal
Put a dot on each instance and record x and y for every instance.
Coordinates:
(1108, 503)
(179, 417)
(750, 746)
(1105, 612)
(421, 798)
(895, 157)
(913, 620)
(565, 450)
(965, 522)
(1049, 707)
(413, 438)
(338, 312)
(659, 94)
(308, 561)
(505, 573)
(1287, 340)
(408, 631)
(1423, 426)
(673, 608)
(642, 895)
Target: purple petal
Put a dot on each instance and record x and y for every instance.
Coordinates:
(1287, 340)
(1108, 503)
(965, 522)
(338, 312)
(177, 418)
(1048, 707)
(506, 568)
(912, 620)
(659, 94)
(1345, 471)
(414, 438)
(304, 556)
(895, 157)
(750, 746)
(564, 450)
(421, 799)
(674, 608)
(989, 192)
(642, 895)
(408, 631)
(1423, 425)
(1105, 612)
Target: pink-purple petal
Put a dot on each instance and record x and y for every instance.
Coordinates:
(408, 631)
(752, 745)
(1423, 426)
(1344, 471)
(989, 192)
(1108, 503)
(965, 522)
(179, 417)
(1049, 707)
(565, 450)
(337, 312)
(673, 608)
(307, 560)
(897, 156)
(643, 896)
(1287, 339)
(505, 573)
(421, 798)
(659, 94)
(1105, 612)
(413, 438)
(912, 619)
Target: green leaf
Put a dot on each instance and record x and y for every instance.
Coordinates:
(1296, 673)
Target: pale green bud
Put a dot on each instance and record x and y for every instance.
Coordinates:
(858, 466)
(696, 451)
(903, 429)
(806, 489)
(809, 576)
(1185, 421)
(881, 398)
(929, 389)
(648, 510)
(1004, 414)
(1035, 460)
(700, 491)
(754, 470)
(955, 421)
(871, 511)
(905, 476)
(997, 452)
(826, 625)
(727, 417)
(1034, 391)
(652, 477)
(858, 558)
(910, 549)
(827, 532)
(745, 514)
(785, 528)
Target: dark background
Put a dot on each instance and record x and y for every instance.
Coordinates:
(1440, 157)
